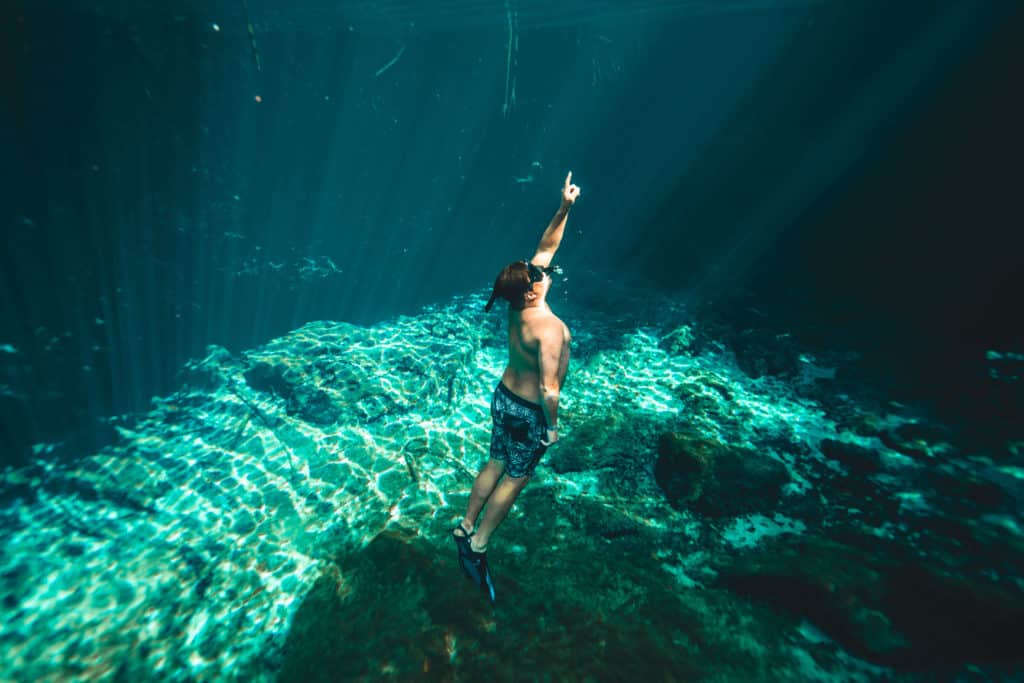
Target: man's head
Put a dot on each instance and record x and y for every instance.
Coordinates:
(522, 284)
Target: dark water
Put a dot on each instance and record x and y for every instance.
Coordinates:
(244, 372)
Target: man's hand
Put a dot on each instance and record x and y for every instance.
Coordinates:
(552, 236)
(552, 437)
(570, 192)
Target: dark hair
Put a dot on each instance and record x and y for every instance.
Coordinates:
(512, 283)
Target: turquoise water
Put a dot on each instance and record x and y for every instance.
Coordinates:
(285, 515)
(245, 373)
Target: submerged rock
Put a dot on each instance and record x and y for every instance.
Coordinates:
(966, 487)
(822, 581)
(857, 459)
(679, 340)
(705, 390)
(879, 605)
(210, 372)
(612, 443)
(682, 465)
(714, 479)
(302, 397)
(244, 524)
(919, 440)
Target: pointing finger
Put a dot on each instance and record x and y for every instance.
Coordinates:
(568, 179)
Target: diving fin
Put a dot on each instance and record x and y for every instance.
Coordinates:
(474, 565)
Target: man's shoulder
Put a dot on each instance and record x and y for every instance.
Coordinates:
(549, 327)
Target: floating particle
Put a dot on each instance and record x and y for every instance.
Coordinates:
(215, 27)
(387, 66)
(258, 98)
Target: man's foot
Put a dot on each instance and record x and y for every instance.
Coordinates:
(463, 538)
(477, 548)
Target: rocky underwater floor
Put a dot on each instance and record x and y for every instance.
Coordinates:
(720, 508)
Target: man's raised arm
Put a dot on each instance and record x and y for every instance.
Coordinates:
(552, 236)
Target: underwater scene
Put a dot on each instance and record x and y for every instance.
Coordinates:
(511, 341)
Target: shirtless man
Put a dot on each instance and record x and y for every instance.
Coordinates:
(524, 408)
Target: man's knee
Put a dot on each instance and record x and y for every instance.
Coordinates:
(518, 483)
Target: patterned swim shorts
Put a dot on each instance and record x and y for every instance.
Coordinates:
(517, 429)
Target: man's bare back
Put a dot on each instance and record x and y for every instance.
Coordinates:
(528, 330)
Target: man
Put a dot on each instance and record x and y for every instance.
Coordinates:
(524, 408)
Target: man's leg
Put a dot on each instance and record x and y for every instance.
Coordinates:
(482, 489)
(497, 508)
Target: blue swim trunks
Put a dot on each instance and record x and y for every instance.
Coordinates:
(517, 429)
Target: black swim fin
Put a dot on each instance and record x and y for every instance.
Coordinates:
(483, 573)
(474, 566)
